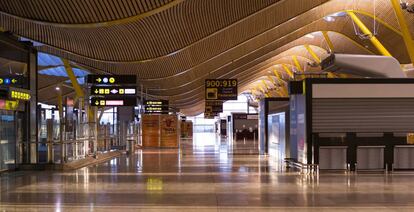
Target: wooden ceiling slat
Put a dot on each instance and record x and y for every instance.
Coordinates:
(62, 14)
(193, 40)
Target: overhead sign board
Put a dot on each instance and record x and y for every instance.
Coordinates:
(111, 79)
(210, 115)
(114, 101)
(213, 106)
(6, 80)
(19, 94)
(156, 106)
(221, 89)
(8, 104)
(113, 90)
(13, 93)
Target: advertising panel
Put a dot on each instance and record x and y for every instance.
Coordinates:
(150, 130)
(169, 131)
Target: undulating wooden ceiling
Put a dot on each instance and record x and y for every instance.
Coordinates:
(172, 46)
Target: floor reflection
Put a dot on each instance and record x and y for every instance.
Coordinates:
(207, 173)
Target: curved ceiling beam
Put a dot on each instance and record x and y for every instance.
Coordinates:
(247, 70)
(129, 20)
(213, 71)
(168, 89)
(99, 24)
(367, 14)
(206, 75)
(191, 100)
(362, 47)
(190, 91)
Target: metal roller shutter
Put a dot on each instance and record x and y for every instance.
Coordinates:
(363, 115)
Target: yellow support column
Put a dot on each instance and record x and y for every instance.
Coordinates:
(312, 53)
(367, 32)
(272, 80)
(276, 73)
(78, 90)
(409, 44)
(288, 71)
(281, 94)
(297, 64)
(265, 85)
(263, 91)
(328, 40)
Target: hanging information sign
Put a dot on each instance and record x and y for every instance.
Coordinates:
(156, 106)
(213, 106)
(113, 90)
(113, 101)
(111, 79)
(221, 89)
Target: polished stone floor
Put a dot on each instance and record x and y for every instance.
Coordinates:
(207, 174)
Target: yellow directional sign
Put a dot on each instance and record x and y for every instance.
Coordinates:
(111, 79)
(8, 104)
(14, 81)
(19, 94)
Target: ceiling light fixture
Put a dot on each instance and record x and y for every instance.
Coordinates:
(309, 36)
(329, 18)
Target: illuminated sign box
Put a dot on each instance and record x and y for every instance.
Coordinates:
(210, 115)
(15, 94)
(19, 94)
(10, 80)
(221, 89)
(113, 102)
(113, 90)
(111, 79)
(8, 104)
(213, 106)
(156, 106)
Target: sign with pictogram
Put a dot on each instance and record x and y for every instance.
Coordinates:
(14, 81)
(156, 106)
(113, 101)
(111, 79)
(210, 115)
(19, 94)
(113, 90)
(221, 89)
(213, 106)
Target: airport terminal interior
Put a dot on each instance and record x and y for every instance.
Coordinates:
(206, 105)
